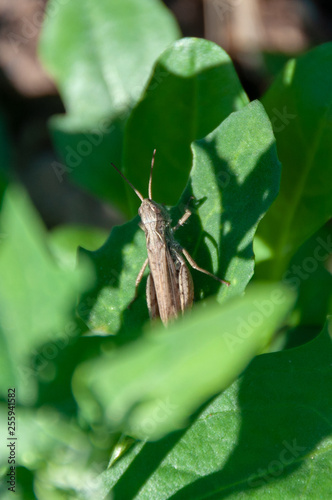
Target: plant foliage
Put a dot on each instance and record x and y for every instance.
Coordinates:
(234, 398)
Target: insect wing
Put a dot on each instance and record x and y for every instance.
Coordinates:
(151, 298)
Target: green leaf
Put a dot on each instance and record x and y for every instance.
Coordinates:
(266, 436)
(299, 104)
(86, 157)
(309, 274)
(153, 385)
(65, 240)
(59, 454)
(100, 54)
(117, 263)
(239, 181)
(5, 158)
(36, 296)
(194, 87)
(235, 178)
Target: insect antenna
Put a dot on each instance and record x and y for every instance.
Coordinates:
(150, 180)
(130, 184)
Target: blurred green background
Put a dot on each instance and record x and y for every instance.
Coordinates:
(87, 84)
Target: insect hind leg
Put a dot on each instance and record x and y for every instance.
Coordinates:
(200, 269)
(138, 280)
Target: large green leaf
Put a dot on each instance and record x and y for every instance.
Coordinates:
(235, 178)
(239, 181)
(36, 297)
(153, 385)
(194, 87)
(299, 104)
(100, 55)
(267, 436)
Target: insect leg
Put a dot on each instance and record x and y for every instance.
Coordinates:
(195, 266)
(183, 219)
(138, 280)
(186, 286)
(185, 216)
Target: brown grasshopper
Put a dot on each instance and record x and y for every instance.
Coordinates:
(169, 288)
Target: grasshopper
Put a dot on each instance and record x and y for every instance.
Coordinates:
(169, 288)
